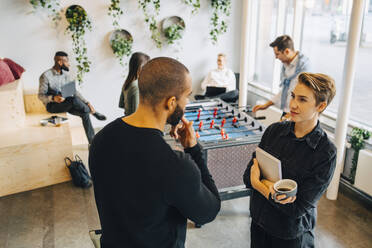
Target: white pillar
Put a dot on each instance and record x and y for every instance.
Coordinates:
(280, 24)
(346, 90)
(297, 23)
(244, 59)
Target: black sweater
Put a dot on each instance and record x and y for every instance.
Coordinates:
(145, 191)
(310, 161)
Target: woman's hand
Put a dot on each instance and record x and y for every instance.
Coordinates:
(286, 201)
(255, 173)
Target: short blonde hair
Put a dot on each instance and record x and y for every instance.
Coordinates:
(323, 86)
(221, 55)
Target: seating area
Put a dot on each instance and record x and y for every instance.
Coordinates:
(31, 155)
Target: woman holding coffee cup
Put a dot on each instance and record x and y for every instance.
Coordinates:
(284, 212)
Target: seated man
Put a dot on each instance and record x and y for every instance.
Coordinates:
(221, 77)
(50, 84)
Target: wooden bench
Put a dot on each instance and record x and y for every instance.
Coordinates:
(31, 155)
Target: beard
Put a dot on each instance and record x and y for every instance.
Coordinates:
(176, 116)
(65, 68)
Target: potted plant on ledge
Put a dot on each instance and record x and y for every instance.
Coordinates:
(357, 142)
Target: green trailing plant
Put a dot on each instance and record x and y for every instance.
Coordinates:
(52, 6)
(357, 141)
(78, 24)
(195, 4)
(150, 18)
(121, 47)
(116, 12)
(173, 33)
(221, 10)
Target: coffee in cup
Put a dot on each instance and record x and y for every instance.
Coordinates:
(285, 187)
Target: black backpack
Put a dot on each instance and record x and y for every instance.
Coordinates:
(79, 174)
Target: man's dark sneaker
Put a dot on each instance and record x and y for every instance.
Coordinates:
(99, 116)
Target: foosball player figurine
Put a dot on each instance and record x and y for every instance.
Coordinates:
(215, 112)
(234, 120)
(200, 125)
(212, 124)
(223, 122)
(197, 135)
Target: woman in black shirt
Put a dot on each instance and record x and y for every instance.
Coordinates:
(307, 156)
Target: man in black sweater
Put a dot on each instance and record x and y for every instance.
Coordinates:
(145, 191)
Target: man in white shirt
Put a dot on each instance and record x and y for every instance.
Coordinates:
(294, 63)
(221, 77)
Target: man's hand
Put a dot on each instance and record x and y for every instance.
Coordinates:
(262, 106)
(286, 117)
(92, 110)
(186, 133)
(258, 107)
(174, 129)
(58, 99)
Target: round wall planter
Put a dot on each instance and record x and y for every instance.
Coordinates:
(76, 12)
(173, 28)
(121, 33)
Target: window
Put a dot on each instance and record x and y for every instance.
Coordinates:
(266, 32)
(324, 37)
(361, 107)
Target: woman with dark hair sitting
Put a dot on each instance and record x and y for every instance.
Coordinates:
(129, 97)
(307, 156)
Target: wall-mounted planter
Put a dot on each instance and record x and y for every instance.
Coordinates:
(173, 28)
(121, 42)
(78, 23)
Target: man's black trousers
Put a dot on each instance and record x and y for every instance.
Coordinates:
(74, 106)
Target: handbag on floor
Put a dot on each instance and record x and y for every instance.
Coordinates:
(79, 174)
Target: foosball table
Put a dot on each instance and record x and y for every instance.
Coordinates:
(228, 135)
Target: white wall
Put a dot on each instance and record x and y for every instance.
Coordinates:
(31, 40)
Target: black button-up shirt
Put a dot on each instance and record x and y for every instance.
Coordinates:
(310, 161)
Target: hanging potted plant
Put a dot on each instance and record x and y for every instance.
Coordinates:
(173, 28)
(52, 6)
(195, 4)
(150, 18)
(78, 24)
(221, 10)
(116, 12)
(121, 43)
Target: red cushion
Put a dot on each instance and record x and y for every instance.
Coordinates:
(6, 75)
(16, 69)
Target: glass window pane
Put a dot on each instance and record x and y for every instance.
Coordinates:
(324, 39)
(361, 107)
(266, 32)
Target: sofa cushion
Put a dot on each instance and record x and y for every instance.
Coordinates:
(6, 75)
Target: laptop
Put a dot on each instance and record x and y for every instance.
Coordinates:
(68, 90)
(214, 91)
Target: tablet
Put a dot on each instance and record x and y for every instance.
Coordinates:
(270, 166)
